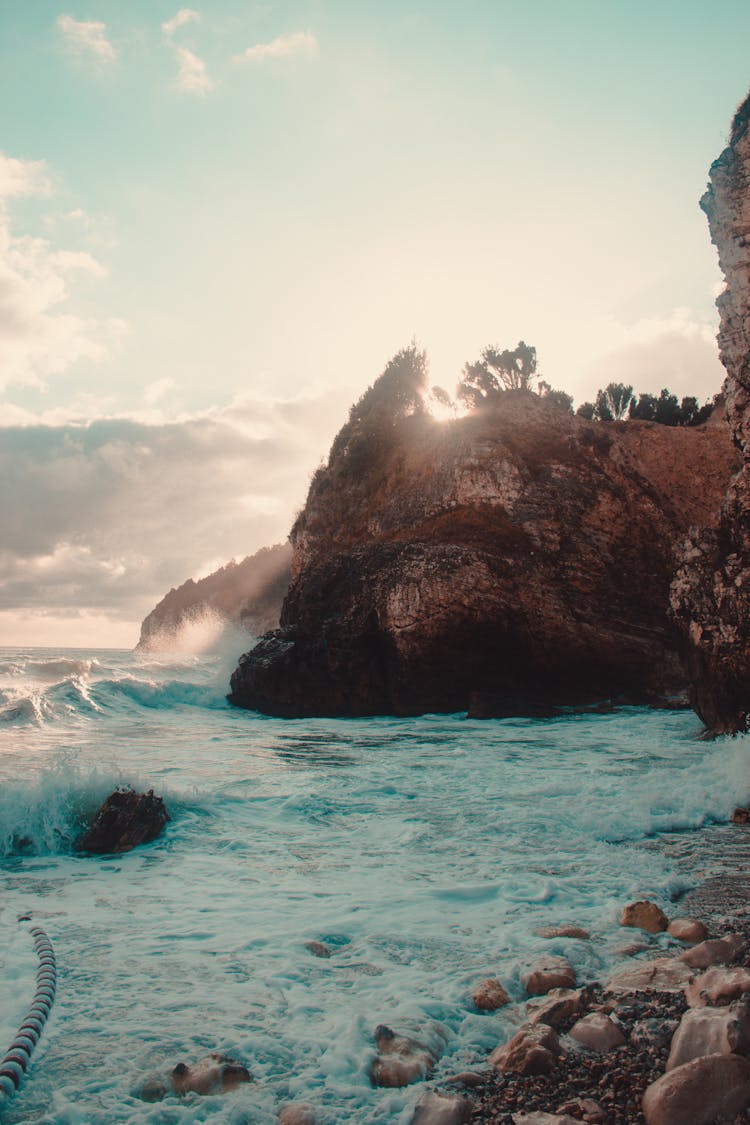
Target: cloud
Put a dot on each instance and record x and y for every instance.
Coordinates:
(96, 229)
(87, 36)
(677, 351)
(184, 16)
(192, 75)
(40, 335)
(292, 43)
(155, 391)
(22, 178)
(104, 518)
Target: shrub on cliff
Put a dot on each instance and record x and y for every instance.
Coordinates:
(616, 402)
(496, 371)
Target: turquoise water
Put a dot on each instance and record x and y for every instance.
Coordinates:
(424, 852)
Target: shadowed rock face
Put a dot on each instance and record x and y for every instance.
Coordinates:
(125, 820)
(518, 554)
(710, 595)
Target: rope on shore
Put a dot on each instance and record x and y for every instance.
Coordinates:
(16, 1059)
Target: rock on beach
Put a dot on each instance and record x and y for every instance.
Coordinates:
(699, 1091)
(644, 915)
(548, 973)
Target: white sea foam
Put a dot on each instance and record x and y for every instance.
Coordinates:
(424, 852)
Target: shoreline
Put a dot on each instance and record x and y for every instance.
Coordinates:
(607, 1087)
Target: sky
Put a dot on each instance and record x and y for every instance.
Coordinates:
(218, 223)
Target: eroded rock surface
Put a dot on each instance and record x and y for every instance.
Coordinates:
(125, 820)
(489, 995)
(699, 1091)
(520, 556)
(644, 915)
(534, 1049)
(710, 595)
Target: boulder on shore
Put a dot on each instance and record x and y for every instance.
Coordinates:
(535, 1049)
(711, 1031)
(548, 973)
(645, 916)
(699, 1091)
(125, 820)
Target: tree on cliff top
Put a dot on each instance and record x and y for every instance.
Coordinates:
(394, 395)
(496, 371)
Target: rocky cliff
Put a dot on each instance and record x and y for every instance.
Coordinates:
(516, 558)
(710, 595)
(248, 594)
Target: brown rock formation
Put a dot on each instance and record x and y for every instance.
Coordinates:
(519, 553)
(125, 820)
(644, 915)
(710, 595)
(248, 594)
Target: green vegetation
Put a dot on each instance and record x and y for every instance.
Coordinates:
(616, 401)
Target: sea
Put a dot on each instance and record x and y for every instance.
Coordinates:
(425, 853)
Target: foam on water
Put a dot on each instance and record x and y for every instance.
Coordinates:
(424, 852)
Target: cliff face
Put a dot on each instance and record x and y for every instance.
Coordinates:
(710, 595)
(248, 594)
(518, 557)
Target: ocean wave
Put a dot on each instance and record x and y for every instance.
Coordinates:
(45, 816)
(51, 670)
(159, 696)
(21, 709)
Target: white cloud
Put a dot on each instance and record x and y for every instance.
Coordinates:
(192, 75)
(22, 178)
(104, 518)
(155, 391)
(292, 43)
(184, 16)
(40, 334)
(96, 229)
(677, 351)
(87, 36)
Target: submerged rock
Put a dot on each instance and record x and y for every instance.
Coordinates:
(401, 1060)
(563, 932)
(214, 1074)
(297, 1113)
(125, 820)
(489, 995)
(318, 949)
